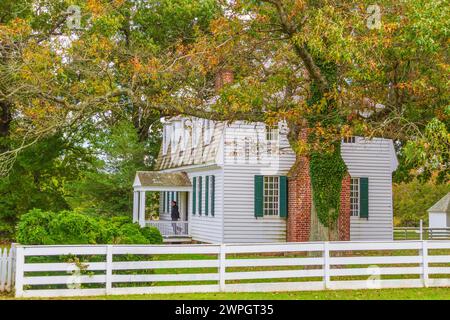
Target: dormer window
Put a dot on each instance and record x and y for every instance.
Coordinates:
(196, 132)
(176, 135)
(349, 140)
(185, 134)
(208, 131)
(272, 138)
(166, 138)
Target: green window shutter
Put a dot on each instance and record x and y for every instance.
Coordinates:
(194, 194)
(167, 202)
(283, 197)
(259, 195)
(206, 195)
(163, 201)
(364, 198)
(200, 185)
(213, 191)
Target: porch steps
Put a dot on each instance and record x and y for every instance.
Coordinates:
(177, 239)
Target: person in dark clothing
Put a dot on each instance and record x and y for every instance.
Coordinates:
(175, 214)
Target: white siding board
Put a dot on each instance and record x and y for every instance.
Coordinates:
(372, 159)
(207, 228)
(240, 224)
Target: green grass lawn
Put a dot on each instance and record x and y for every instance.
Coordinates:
(384, 294)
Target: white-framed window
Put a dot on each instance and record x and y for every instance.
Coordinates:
(271, 196)
(235, 150)
(247, 149)
(272, 136)
(354, 197)
(349, 140)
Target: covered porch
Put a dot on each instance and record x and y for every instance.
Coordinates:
(171, 186)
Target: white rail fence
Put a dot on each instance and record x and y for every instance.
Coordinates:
(49, 271)
(7, 267)
(170, 228)
(424, 233)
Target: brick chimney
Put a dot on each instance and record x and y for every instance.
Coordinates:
(298, 224)
(223, 77)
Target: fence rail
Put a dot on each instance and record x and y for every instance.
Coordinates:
(170, 228)
(51, 271)
(7, 267)
(425, 233)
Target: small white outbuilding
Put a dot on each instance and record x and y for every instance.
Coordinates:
(439, 213)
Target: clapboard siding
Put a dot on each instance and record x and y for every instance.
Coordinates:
(240, 224)
(234, 219)
(372, 159)
(207, 228)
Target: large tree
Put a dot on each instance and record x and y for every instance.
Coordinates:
(329, 68)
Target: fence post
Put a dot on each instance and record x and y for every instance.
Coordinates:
(10, 267)
(424, 253)
(421, 229)
(222, 267)
(109, 260)
(3, 268)
(20, 260)
(326, 264)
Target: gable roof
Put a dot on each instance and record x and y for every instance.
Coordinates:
(442, 205)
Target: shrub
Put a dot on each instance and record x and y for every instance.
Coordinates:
(130, 233)
(152, 234)
(73, 228)
(33, 227)
(67, 227)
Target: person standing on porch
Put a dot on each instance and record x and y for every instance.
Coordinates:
(175, 214)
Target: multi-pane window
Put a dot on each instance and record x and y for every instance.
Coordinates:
(271, 195)
(272, 139)
(354, 197)
(247, 149)
(349, 140)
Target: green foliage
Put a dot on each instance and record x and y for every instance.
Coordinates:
(431, 152)
(152, 234)
(327, 171)
(68, 227)
(104, 188)
(130, 233)
(413, 199)
(37, 180)
(33, 227)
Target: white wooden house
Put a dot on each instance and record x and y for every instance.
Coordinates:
(230, 182)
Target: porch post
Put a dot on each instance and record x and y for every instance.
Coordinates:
(142, 209)
(135, 206)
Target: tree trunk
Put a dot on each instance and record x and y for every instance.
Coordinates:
(5, 124)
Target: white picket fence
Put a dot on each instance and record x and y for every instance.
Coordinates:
(7, 267)
(230, 268)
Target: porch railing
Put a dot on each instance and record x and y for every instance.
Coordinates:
(170, 228)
